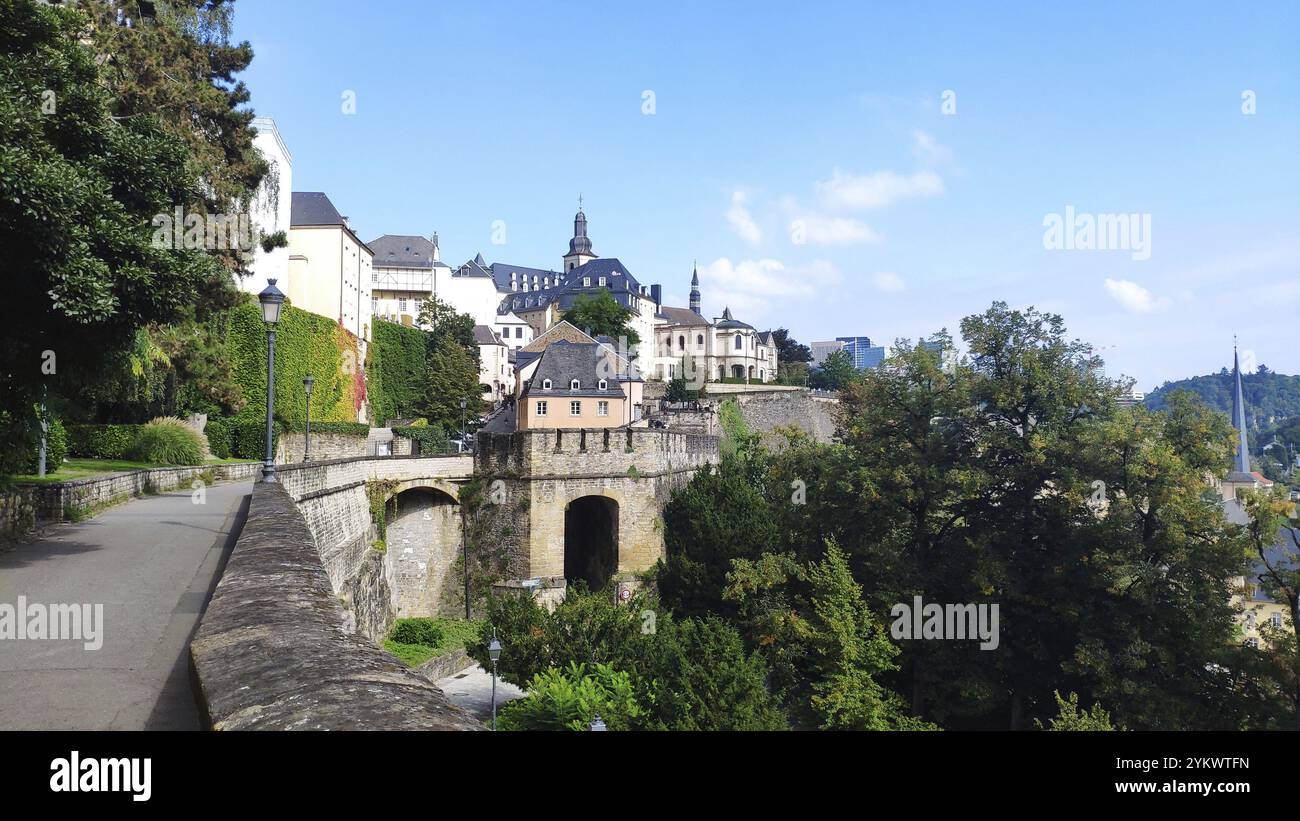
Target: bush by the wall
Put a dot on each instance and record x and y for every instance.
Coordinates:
(56, 449)
(248, 436)
(422, 631)
(102, 441)
(220, 436)
(431, 440)
(170, 441)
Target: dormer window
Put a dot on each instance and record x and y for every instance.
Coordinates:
(602, 282)
(586, 282)
(546, 384)
(574, 384)
(603, 385)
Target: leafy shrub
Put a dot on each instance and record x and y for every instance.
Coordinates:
(570, 699)
(429, 440)
(220, 435)
(346, 428)
(417, 631)
(248, 440)
(56, 449)
(169, 441)
(688, 675)
(102, 441)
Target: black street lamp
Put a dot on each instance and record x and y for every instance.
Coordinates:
(494, 653)
(272, 301)
(307, 382)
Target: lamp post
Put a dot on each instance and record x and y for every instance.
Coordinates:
(307, 382)
(597, 725)
(272, 301)
(494, 653)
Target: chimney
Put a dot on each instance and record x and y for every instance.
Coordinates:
(656, 293)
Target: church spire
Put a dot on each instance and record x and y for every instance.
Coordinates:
(1241, 463)
(695, 288)
(580, 251)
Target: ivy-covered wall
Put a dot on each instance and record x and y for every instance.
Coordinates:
(397, 356)
(304, 343)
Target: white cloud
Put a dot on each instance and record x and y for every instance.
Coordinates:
(1133, 297)
(928, 151)
(818, 229)
(877, 190)
(750, 286)
(741, 221)
(888, 281)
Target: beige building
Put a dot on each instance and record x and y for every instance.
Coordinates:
(329, 267)
(402, 279)
(573, 385)
(494, 369)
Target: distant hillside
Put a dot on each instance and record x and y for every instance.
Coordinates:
(1270, 397)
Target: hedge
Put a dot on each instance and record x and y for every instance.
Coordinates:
(102, 441)
(397, 358)
(346, 428)
(431, 440)
(56, 449)
(220, 436)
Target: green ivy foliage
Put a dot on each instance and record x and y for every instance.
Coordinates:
(397, 358)
(304, 344)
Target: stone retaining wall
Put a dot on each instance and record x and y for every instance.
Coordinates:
(273, 651)
(26, 506)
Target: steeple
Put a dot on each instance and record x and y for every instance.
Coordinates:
(695, 288)
(580, 252)
(1241, 463)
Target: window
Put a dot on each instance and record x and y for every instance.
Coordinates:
(1252, 642)
(374, 276)
(739, 343)
(401, 305)
(519, 333)
(603, 384)
(586, 282)
(681, 342)
(602, 282)
(574, 384)
(541, 408)
(602, 409)
(546, 384)
(699, 340)
(575, 408)
(374, 306)
(1276, 620)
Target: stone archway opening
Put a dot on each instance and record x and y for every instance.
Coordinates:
(422, 542)
(591, 540)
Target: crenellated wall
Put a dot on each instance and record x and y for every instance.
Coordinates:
(540, 472)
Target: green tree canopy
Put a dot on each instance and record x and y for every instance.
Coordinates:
(600, 314)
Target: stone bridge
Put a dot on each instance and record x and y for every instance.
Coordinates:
(290, 637)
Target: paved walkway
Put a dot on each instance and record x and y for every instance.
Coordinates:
(471, 690)
(152, 563)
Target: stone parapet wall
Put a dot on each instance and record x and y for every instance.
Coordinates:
(273, 651)
(26, 506)
(325, 446)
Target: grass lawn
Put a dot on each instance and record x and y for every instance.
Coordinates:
(457, 633)
(84, 468)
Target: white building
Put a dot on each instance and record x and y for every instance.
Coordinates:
(271, 208)
(402, 280)
(329, 267)
(494, 368)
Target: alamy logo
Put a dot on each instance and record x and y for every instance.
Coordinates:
(210, 232)
(1099, 232)
(54, 622)
(950, 621)
(77, 774)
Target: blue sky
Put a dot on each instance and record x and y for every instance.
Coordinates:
(805, 157)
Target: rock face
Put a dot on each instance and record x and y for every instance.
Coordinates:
(272, 652)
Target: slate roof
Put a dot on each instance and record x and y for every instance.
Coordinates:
(313, 208)
(473, 268)
(501, 275)
(728, 321)
(681, 316)
(402, 251)
(483, 335)
(564, 361)
(618, 281)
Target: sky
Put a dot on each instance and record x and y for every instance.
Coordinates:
(838, 169)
